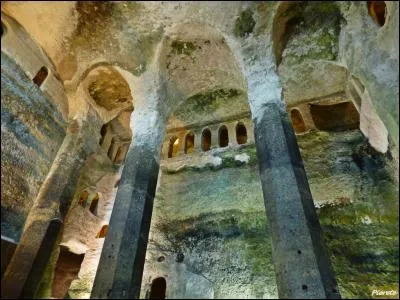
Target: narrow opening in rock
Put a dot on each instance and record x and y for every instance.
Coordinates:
(158, 288)
(94, 204)
(40, 76)
(377, 10)
(189, 143)
(223, 136)
(103, 132)
(206, 140)
(103, 232)
(297, 121)
(241, 134)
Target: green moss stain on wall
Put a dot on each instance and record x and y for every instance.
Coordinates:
(215, 216)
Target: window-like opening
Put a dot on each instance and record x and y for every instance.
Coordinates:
(40, 76)
(189, 143)
(241, 134)
(223, 136)
(94, 203)
(173, 146)
(67, 269)
(297, 121)
(206, 139)
(103, 232)
(83, 198)
(377, 10)
(158, 288)
(103, 132)
(335, 117)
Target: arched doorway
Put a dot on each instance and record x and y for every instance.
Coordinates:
(241, 134)
(189, 143)
(206, 139)
(223, 137)
(158, 288)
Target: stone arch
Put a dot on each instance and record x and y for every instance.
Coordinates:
(241, 133)
(206, 140)
(158, 288)
(106, 87)
(223, 136)
(297, 121)
(289, 14)
(189, 142)
(200, 40)
(173, 146)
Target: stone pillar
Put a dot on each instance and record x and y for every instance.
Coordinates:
(119, 274)
(197, 141)
(232, 133)
(214, 136)
(302, 263)
(44, 220)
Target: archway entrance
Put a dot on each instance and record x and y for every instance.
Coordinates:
(158, 288)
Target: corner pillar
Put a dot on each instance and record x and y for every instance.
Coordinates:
(43, 224)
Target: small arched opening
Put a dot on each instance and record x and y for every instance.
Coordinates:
(158, 288)
(223, 136)
(297, 121)
(189, 143)
(94, 204)
(40, 76)
(378, 11)
(241, 133)
(103, 232)
(173, 146)
(206, 139)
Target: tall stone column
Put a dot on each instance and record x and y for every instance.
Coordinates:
(302, 264)
(197, 141)
(119, 274)
(232, 133)
(44, 220)
(214, 136)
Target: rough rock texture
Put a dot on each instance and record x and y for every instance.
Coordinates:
(214, 215)
(32, 131)
(218, 60)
